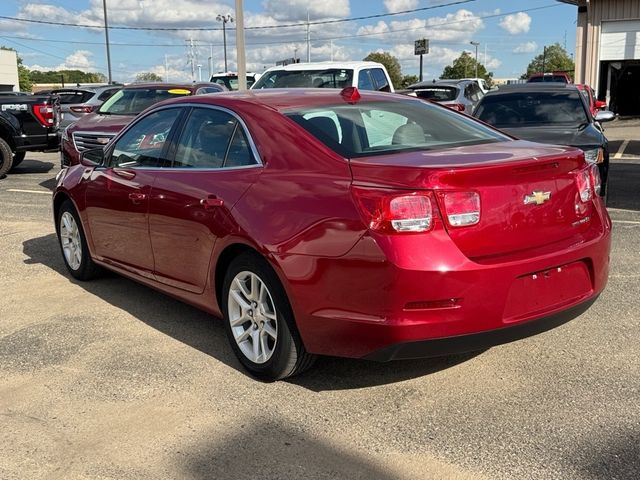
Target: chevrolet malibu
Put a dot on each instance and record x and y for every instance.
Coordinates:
(329, 222)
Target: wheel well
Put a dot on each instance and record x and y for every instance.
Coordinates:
(224, 260)
(57, 202)
(7, 137)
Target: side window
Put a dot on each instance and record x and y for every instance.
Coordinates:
(365, 81)
(380, 79)
(205, 139)
(142, 144)
(325, 123)
(239, 152)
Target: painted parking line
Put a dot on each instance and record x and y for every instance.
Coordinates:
(621, 150)
(626, 222)
(41, 192)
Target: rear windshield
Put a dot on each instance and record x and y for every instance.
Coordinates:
(135, 100)
(369, 128)
(438, 94)
(533, 108)
(231, 81)
(329, 78)
(73, 96)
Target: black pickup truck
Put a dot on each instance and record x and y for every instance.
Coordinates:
(27, 123)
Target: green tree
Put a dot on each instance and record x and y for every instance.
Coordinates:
(555, 59)
(148, 77)
(390, 62)
(24, 83)
(67, 76)
(465, 67)
(408, 80)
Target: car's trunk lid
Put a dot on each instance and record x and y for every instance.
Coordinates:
(528, 192)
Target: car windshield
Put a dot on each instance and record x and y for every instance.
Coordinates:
(329, 78)
(532, 108)
(373, 128)
(438, 93)
(135, 100)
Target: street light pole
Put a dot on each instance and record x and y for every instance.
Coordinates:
(106, 35)
(476, 44)
(224, 19)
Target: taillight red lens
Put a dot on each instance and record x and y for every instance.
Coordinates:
(456, 106)
(583, 182)
(395, 212)
(44, 114)
(596, 180)
(461, 208)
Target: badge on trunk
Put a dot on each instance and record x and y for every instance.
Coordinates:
(537, 197)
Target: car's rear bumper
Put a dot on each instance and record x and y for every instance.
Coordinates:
(367, 304)
(477, 341)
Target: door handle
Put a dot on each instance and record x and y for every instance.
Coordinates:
(128, 174)
(136, 198)
(211, 202)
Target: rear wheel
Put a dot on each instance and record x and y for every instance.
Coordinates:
(18, 157)
(6, 158)
(74, 244)
(259, 321)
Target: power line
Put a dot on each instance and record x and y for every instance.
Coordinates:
(260, 27)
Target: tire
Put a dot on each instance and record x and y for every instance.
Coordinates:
(73, 244)
(18, 157)
(6, 158)
(257, 312)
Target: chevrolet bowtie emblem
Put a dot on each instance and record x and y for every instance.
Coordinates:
(537, 197)
(102, 140)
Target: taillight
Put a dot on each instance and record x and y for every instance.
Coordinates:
(462, 209)
(584, 184)
(44, 114)
(395, 211)
(456, 106)
(82, 109)
(596, 180)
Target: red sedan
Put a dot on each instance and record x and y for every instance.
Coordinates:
(332, 222)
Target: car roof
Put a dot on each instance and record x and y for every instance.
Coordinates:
(325, 65)
(533, 87)
(284, 99)
(441, 83)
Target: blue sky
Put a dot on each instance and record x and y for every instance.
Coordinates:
(511, 32)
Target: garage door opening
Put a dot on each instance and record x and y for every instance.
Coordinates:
(619, 86)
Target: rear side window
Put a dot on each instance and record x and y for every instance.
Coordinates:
(212, 139)
(372, 128)
(107, 94)
(365, 82)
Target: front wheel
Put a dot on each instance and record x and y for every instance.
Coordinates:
(259, 321)
(74, 244)
(18, 157)
(6, 158)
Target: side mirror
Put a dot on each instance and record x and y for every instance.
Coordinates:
(600, 105)
(92, 158)
(605, 116)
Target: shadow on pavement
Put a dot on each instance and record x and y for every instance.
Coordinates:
(32, 166)
(265, 449)
(199, 330)
(624, 186)
(607, 458)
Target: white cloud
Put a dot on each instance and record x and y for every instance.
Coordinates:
(292, 10)
(78, 60)
(516, 23)
(400, 5)
(527, 47)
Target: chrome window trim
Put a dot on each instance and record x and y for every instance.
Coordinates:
(252, 145)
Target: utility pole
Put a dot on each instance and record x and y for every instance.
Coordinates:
(225, 19)
(106, 36)
(544, 58)
(191, 61)
(476, 44)
(331, 41)
(308, 39)
(166, 68)
(241, 59)
(210, 61)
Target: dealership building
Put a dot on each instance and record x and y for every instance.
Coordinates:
(8, 70)
(608, 51)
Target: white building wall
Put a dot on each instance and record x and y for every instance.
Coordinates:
(9, 70)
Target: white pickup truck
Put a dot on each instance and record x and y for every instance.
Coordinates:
(364, 75)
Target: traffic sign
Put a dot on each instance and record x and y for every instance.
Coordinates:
(421, 47)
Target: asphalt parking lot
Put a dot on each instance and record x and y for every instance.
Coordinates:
(111, 380)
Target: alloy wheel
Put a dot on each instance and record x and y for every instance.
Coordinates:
(70, 240)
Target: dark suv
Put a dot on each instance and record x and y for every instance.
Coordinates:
(97, 128)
